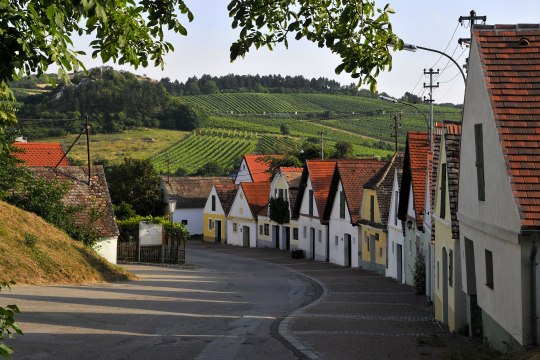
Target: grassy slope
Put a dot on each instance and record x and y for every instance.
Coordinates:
(137, 143)
(54, 259)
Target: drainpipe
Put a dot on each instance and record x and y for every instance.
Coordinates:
(533, 294)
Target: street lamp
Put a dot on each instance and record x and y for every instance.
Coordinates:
(172, 208)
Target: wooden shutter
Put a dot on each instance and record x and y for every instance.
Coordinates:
(372, 208)
(310, 202)
(479, 145)
(443, 192)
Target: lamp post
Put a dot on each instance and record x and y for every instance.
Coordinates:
(172, 208)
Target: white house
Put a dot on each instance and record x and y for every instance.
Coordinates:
(215, 212)
(499, 188)
(282, 236)
(190, 194)
(255, 168)
(396, 252)
(412, 198)
(91, 198)
(345, 200)
(251, 198)
(311, 206)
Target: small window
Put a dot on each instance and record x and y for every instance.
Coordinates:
(281, 193)
(310, 202)
(442, 211)
(295, 234)
(320, 235)
(380, 252)
(336, 240)
(213, 202)
(372, 208)
(451, 268)
(479, 147)
(234, 227)
(184, 222)
(266, 229)
(489, 269)
(210, 224)
(305, 232)
(396, 206)
(261, 231)
(341, 205)
(367, 241)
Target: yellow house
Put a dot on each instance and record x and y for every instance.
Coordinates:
(215, 212)
(449, 300)
(374, 212)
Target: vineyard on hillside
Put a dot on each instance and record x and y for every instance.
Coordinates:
(272, 144)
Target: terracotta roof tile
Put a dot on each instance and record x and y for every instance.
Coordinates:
(258, 167)
(40, 154)
(321, 172)
(191, 191)
(510, 57)
(257, 195)
(292, 176)
(89, 199)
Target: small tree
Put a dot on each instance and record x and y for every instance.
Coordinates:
(284, 128)
(279, 210)
(344, 150)
(419, 274)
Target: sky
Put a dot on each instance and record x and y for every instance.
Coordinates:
(432, 24)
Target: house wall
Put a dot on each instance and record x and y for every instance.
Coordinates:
(412, 239)
(380, 249)
(493, 224)
(427, 246)
(338, 228)
(107, 248)
(236, 237)
(306, 223)
(243, 173)
(210, 233)
(194, 218)
(395, 236)
(264, 240)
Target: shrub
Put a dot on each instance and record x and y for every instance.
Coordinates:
(30, 240)
(419, 274)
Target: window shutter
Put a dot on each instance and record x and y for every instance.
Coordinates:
(342, 205)
(213, 203)
(443, 192)
(479, 145)
(310, 202)
(372, 208)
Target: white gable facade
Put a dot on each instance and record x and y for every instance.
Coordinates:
(313, 234)
(396, 245)
(241, 225)
(413, 240)
(343, 235)
(243, 173)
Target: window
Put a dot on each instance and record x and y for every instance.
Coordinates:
(310, 202)
(281, 193)
(479, 146)
(380, 252)
(184, 222)
(372, 208)
(261, 230)
(442, 212)
(295, 234)
(489, 269)
(213, 202)
(367, 241)
(320, 235)
(396, 205)
(210, 224)
(336, 240)
(341, 205)
(234, 227)
(451, 268)
(305, 232)
(266, 229)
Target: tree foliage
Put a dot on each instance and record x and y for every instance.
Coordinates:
(344, 150)
(279, 210)
(136, 183)
(8, 326)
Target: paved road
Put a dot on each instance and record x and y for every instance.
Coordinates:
(240, 304)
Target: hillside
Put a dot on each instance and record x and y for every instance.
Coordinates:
(34, 252)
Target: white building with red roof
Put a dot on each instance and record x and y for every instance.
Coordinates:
(255, 168)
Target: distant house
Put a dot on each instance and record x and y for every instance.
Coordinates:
(250, 200)
(191, 194)
(255, 168)
(215, 212)
(374, 212)
(40, 154)
(344, 208)
(396, 245)
(412, 198)
(449, 298)
(310, 208)
(499, 187)
(93, 203)
(282, 236)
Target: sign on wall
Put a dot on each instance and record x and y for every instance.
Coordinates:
(150, 234)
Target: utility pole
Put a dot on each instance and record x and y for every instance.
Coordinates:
(472, 18)
(322, 143)
(430, 100)
(87, 126)
(396, 127)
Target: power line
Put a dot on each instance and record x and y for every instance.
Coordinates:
(447, 45)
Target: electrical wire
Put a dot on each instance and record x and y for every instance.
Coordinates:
(447, 45)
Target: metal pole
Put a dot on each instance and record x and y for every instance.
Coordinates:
(88, 150)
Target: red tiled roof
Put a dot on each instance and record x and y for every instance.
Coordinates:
(191, 192)
(292, 175)
(510, 57)
(258, 167)
(321, 173)
(418, 150)
(354, 174)
(40, 154)
(451, 127)
(257, 195)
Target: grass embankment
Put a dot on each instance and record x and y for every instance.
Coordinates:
(34, 252)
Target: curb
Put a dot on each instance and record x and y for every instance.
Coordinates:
(174, 266)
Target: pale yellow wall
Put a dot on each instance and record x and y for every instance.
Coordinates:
(366, 205)
(262, 221)
(210, 234)
(380, 245)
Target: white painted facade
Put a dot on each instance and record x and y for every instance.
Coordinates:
(343, 235)
(239, 221)
(427, 246)
(192, 218)
(107, 248)
(313, 234)
(396, 245)
(243, 174)
(208, 205)
(492, 226)
(412, 240)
